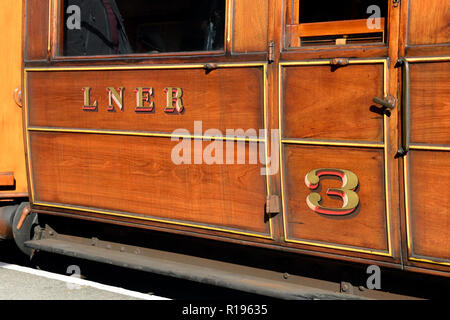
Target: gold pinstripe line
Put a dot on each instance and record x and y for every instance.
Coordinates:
(331, 143)
(49, 39)
(428, 59)
(406, 176)
(383, 145)
(142, 134)
(430, 148)
(155, 67)
(27, 136)
(143, 67)
(133, 216)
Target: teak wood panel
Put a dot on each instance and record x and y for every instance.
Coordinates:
(37, 25)
(428, 22)
(136, 175)
(366, 228)
(321, 102)
(430, 103)
(12, 157)
(225, 98)
(429, 214)
(250, 25)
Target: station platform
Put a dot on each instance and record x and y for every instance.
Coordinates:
(22, 283)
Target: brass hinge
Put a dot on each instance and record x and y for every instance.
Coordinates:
(272, 204)
(271, 52)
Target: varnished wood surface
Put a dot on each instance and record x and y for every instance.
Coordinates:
(319, 103)
(12, 157)
(36, 30)
(430, 103)
(316, 29)
(248, 35)
(366, 227)
(137, 175)
(429, 22)
(425, 33)
(250, 25)
(56, 99)
(429, 179)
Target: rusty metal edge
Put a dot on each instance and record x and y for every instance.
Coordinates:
(211, 272)
(6, 222)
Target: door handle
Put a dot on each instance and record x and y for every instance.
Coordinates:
(388, 102)
(404, 147)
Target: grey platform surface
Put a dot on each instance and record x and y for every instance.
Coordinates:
(19, 283)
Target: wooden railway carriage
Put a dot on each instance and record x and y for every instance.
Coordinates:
(131, 111)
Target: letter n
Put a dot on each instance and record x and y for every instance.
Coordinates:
(115, 97)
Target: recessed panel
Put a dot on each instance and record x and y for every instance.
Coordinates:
(347, 178)
(324, 102)
(429, 185)
(428, 22)
(430, 102)
(169, 99)
(146, 176)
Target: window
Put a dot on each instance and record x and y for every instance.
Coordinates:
(108, 27)
(331, 22)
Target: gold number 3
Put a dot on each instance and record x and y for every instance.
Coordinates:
(346, 192)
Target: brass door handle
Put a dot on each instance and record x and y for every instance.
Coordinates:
(388, 102)
(404, 147)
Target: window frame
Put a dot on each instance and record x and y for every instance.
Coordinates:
(293, 29)
(56, 34)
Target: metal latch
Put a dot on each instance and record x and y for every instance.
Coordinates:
(388, 101)
(339, 62)
(272, 204)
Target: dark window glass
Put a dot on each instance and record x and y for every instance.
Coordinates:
(332, 22)
(110, 27)
(332, 10)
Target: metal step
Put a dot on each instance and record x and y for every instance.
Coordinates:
(211, 272)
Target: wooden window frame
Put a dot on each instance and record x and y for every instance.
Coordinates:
(56, 25)
(295, 30)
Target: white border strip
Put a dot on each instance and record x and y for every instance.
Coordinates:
(80, 282)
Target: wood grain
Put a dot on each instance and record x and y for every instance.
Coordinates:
(430, 103)
(36, 36)
(137, 175)
(250, 24)
(323, 104)
(366, 227)
(430, 203)
(429, 22)
(226, 98)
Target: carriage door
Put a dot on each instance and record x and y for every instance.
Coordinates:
(337, 117)
(426, 132)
